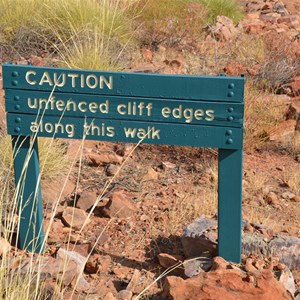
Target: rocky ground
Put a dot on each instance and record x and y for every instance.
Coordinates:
(128, 215)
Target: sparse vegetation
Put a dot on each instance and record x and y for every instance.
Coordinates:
(74, 29)
(108, 35)
(52, 154)
(263, 111)
(228, 8)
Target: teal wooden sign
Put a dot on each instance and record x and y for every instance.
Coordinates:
(200, 111)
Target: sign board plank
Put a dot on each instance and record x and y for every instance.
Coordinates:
(125, 131)
(183, 87)
(125, 108)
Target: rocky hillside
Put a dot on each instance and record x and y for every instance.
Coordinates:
(140, 222)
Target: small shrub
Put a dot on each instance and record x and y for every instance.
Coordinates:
(53, 160)
(172, 22)
(282, 63)
(276, 73)
(71, 27)
(228, 8)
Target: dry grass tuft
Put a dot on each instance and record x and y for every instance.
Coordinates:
(255, 182)
(263, 111)
(90, 30)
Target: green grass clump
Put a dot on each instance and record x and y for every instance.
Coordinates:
(182, 21)
(17, 15)
(227, 8)
(171, 21)
(53, 160)
(68, 28)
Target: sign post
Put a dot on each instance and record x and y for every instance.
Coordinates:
(200, 111)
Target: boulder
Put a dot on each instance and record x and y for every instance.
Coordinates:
(229, 284)
(199, 237)
(119, 205)
(287, 248)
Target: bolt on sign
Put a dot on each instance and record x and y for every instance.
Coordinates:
(199, 111)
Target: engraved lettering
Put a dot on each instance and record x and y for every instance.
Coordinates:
(46, 79)
(59, 81)
(210, 115)
(28, 80)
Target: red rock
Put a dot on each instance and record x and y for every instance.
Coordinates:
(104, 158)
(125, 149)
(125, 295)
(75, 217)
(252, 16)
(249, 228)
(109, 296)
(86, 200)
(293, 112)
(273, 199)
(267, 6)
(253, 28)
(219, 263)
(296, 199)
(120, 205)
(280, 266)
(252, 25)
(259, 264)
(147, 55)
(166, 260)
(111, 170)
(122, 272)
(62, 270)
(224, 29)
(82, 249)
(93, 263)
(295, 86)
(57, 189)
(226, 284)
(37, 61)
(291, 20)
(249, 266)
(65, 257)
(283, 132)
(98, 263)
(151, 175)
(134, 281)
(235, 69)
